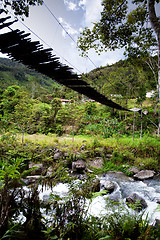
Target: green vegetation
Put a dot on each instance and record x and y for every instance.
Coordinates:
(124, 81)
(125, 152)
(35, 125)
(122, 26)
(67, 216)
(19, 8)
(38, 85)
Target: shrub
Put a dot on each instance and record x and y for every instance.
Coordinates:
(147, 163)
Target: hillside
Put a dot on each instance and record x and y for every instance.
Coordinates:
(14, 73)
(124, 78)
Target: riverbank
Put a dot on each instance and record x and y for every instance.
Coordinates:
(47, 161)
(114, 152)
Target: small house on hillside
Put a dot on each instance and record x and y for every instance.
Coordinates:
(64, 101)
(150, 94)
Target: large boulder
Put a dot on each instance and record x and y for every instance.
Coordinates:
(118, 176)
(109, 186)
(79, 166)
(144, 174)
(137, 201)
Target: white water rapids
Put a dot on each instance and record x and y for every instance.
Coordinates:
(149, 190)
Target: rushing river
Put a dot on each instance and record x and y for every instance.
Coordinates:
(149, 190)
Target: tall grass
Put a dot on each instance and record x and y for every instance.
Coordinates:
(145, 144)
(146, 148)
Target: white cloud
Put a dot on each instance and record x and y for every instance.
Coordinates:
(69, 29)
(82, 3)
(73, 6)
(60, 20)
(63, 33)
(93, 11)
(81, 29)
(106, 58)
(70, 5)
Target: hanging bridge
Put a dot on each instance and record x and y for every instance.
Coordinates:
(19, 47)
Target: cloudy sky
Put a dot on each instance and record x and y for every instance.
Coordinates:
(58, 23)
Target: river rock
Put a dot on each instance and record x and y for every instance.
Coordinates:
(66, 154)
(114, 198)
(108, 156)
(97, 162)
(38, 168)
(144, 174)
(57, 155)
(79, 166)
(46, 198)
(119, 176)
(83, 147)
(157, 223)
(109, 186)
(158, 201)
(49, 171)
(133, 170)
(136, 200)
(31, 179)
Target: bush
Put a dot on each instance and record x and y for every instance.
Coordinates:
(147, 163)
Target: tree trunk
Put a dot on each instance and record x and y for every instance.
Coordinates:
(4, 207)
(159, 81)
(120, 116)
(141, 122)
(156, 26)
(134, 119)
(153, 66)
(126, 107)
(156, 106)
(22, 137)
